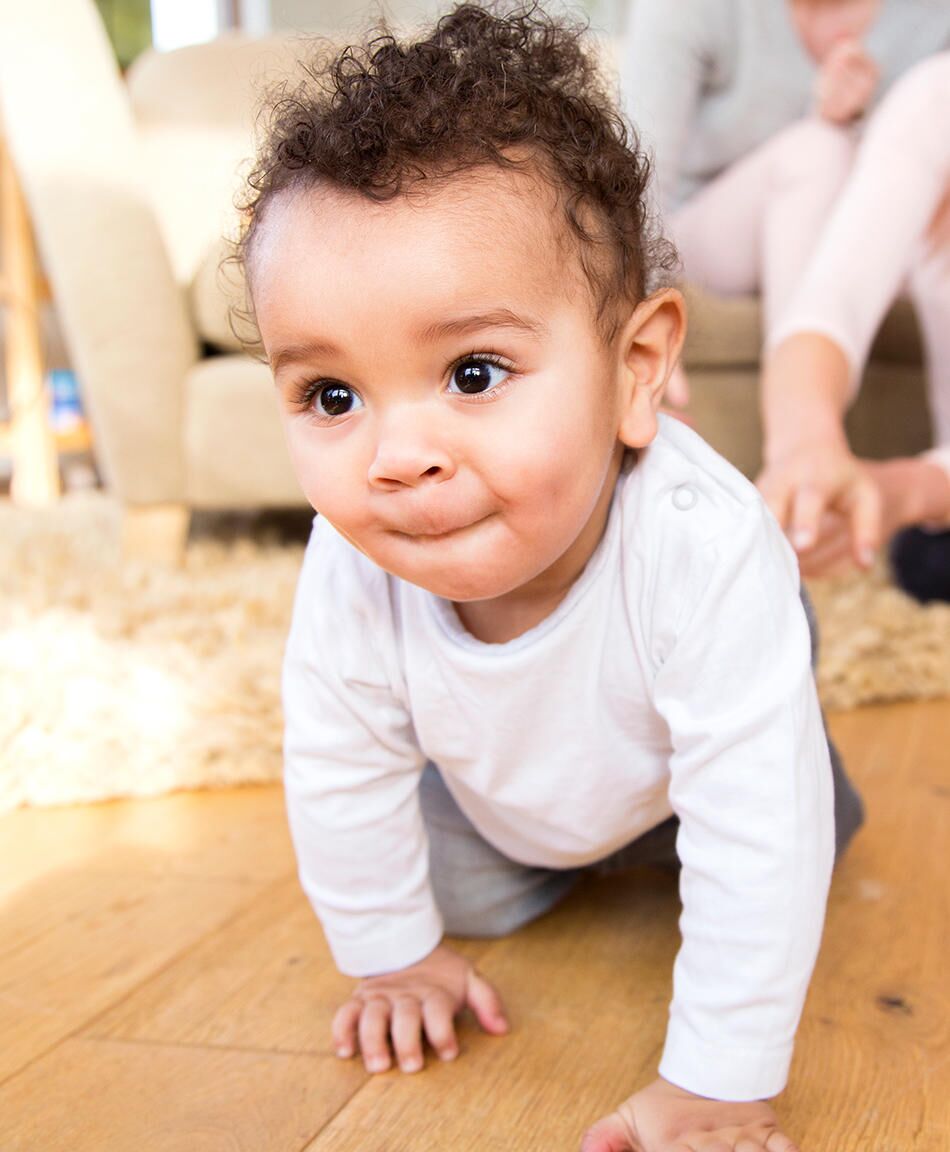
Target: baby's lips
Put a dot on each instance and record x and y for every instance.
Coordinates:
(433, 525)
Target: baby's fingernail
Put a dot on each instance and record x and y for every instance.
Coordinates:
(866, 556)
(448, 1054)
(802, 539)
(377, 1064)
(344, 1053)
(411, 1065)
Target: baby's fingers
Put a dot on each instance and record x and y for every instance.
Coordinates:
(750, 1144)
(757, 1141)
(343, 1029)
(438, 1019)
(407, 1033)
(374, 1034)
(485, 1002)
(609, 1135)
(779, 1142)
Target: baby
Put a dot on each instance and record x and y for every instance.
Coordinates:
(539, 626)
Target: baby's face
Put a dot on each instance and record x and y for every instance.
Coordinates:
(449, 404)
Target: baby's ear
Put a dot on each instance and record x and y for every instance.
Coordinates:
(649, 346)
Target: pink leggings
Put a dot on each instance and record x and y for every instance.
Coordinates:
(829, 227)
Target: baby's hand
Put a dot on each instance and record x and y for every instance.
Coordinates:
(401, 1006)
(846, 82)
(664, 1118)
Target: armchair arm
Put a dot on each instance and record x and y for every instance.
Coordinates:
(70, 132)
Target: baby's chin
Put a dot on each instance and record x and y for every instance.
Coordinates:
(460, 575)
(461, 586)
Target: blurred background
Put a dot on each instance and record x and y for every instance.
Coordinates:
(150, 523)
(164, 983)
(165, 132)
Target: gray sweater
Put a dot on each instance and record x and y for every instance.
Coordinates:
(707, 81)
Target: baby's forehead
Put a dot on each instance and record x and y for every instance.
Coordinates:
(494, 215)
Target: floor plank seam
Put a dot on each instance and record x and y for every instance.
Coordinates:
(179, 956)
(90, 1021)
(72, 917)
(195, 1046)
(10, 1076)
(161, 1025)
(328, 1123)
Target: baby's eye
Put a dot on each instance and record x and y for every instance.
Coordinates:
(476, 375)
(335, 399)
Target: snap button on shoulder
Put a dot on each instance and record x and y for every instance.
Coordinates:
(684, 497)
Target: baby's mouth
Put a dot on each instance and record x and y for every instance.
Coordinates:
(435, 531)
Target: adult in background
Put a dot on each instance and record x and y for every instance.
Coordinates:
(754, 109)
(890, 228)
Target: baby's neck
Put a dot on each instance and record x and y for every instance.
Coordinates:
(498, 621)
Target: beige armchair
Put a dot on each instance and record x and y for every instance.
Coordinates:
(130, 185)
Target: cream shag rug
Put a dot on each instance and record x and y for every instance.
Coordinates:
(119, 680)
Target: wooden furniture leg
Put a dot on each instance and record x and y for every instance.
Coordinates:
(32, 446)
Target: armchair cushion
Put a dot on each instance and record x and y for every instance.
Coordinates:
(726, 332)
(234, 444)
(217, 288)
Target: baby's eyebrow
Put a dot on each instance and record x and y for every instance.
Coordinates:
(300, 353)
(496, 318)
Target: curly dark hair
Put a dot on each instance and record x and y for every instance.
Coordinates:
(483, 86)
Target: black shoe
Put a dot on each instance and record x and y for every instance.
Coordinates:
(921, 563)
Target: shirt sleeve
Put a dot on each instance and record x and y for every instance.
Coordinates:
(661, 78)
(352, 767)
(751, 784)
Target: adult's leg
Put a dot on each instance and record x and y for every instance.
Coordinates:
(753, 227)
(930, 289)
(891, 221)
(881, 218)
(920, 558)
(891, 225)
(480, 891)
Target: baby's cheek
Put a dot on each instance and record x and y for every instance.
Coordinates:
(305, 467)
(567, 462)
(316, 484)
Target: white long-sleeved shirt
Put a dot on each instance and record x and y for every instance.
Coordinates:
(674, 677)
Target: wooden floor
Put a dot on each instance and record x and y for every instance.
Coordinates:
(164, 986)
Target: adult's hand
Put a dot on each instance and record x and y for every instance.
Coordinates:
(846, 82)
(819, 485)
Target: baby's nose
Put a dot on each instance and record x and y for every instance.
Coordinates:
(407, 457)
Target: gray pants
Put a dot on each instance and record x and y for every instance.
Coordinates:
(481, 892)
